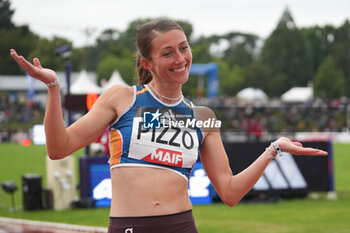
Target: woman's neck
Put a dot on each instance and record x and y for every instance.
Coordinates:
(168, 93)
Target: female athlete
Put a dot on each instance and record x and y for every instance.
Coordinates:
(150, 156)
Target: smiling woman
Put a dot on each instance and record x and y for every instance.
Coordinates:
(150, 166)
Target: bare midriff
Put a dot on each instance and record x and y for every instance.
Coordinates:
(144, 191)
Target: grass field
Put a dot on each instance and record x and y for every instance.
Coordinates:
(293, 215)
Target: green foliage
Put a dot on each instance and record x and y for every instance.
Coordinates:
(238, 55)
(329, 82)
(106, 67)
(242, 50)
(79, 59)
(110, 63)
(127, 38)
(258, 75)
(45, 51)
(288, 55)
(19, 38)
(6, 14)
(321, 40)
(200, 53)
(231, 81)
(341, 51)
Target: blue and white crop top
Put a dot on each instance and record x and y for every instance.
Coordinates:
(150, 133)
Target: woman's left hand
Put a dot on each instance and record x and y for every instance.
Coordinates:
(296, 148)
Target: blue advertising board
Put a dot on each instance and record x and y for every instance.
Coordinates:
(101, 188)
(199, 186)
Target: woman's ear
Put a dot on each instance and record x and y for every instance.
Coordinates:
(146, 64)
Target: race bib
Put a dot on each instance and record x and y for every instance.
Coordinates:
(164, 136)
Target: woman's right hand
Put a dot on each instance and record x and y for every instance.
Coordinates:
(35, 71)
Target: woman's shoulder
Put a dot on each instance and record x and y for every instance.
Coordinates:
(118, 91)
(203, 112)
(118, 96)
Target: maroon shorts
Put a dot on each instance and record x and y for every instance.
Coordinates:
(174, 223)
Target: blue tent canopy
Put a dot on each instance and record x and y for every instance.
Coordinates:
(211, 71)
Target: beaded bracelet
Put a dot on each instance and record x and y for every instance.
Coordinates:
(277, 148)
(52, 83)
(274, 149)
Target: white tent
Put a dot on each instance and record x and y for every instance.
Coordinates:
(250, 93)
(116, 78)
(84, 85)
(298, 94)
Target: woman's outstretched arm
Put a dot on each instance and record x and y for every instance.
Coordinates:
(232, 188)
(62, 141)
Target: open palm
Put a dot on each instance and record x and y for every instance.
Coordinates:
(296, 148)
(35, 70)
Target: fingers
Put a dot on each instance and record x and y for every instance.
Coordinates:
(36, 63)
(307, 151)
(36, 70)
(15, 56)
(22, 62)
(312, 151)
(296, 148)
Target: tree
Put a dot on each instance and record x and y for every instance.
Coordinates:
(22, 40)
(329, 82)
(127, 38)
(258, 75)
(110, 63)
(288, 55)
(200, 53)
(242, 50)
(341, 51)
(321, 40)
(231, 80)
(104, 42)
(6, 14)
(45, 51)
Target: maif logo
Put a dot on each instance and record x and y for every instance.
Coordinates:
(151, 120)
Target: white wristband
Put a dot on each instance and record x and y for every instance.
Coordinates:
(278, 150)
(52, 83)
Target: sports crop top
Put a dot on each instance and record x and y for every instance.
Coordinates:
(150, 133)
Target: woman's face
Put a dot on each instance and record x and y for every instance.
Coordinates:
(171, 57)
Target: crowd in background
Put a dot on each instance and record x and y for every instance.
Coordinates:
(259, 117)
(250, 118)
(18, 114)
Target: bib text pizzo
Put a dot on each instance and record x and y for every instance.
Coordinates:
(173, 139)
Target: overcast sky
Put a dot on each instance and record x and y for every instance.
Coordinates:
(71, 18)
